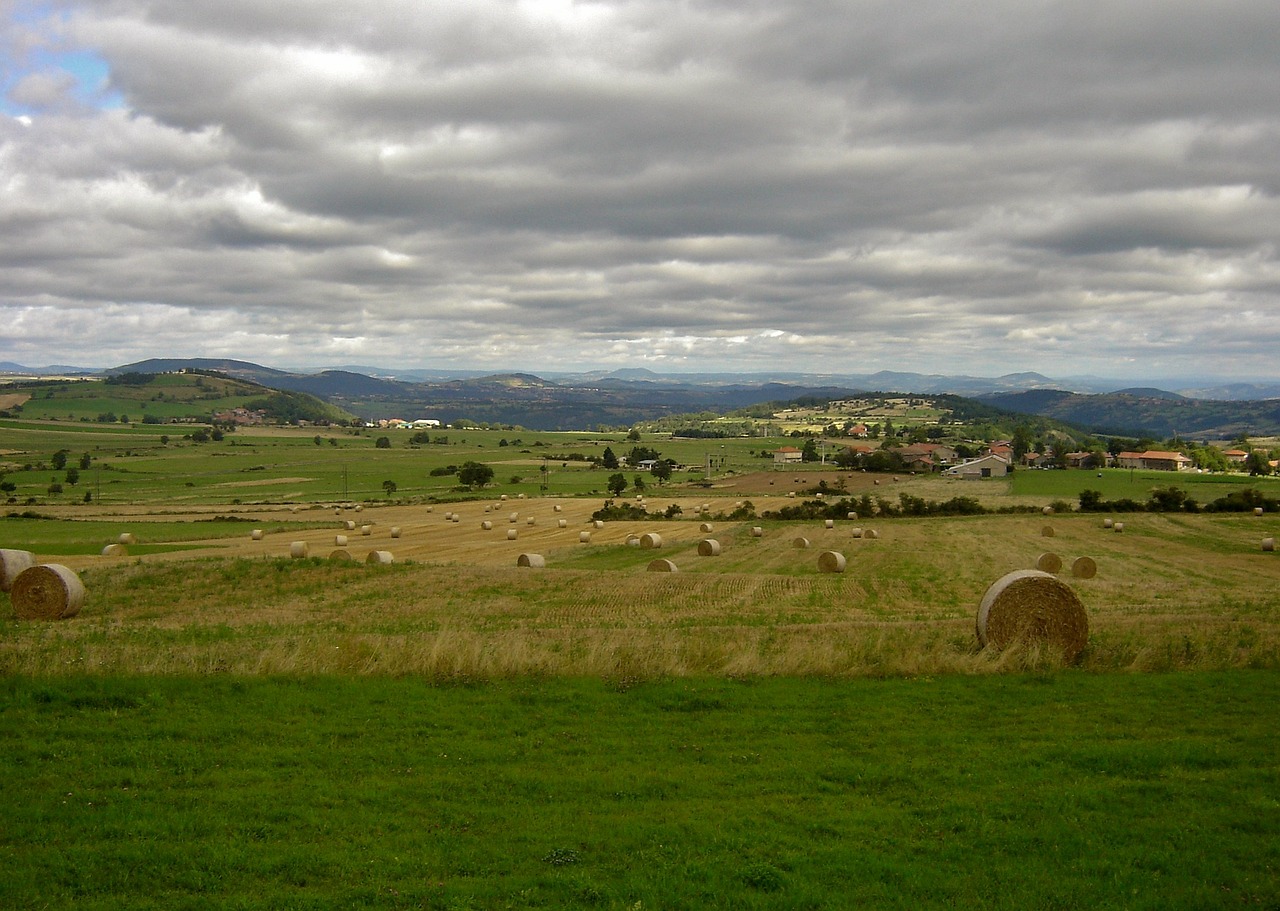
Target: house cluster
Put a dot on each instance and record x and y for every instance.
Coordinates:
(398, 424)
(240, 417)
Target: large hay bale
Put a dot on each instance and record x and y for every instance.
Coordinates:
(48, 592)
(513, 518)
(1031, 606)
(12, 563)
(1084, 568)
(831, 561)
(661, 566)
(1046, 531)
(584, 537)
(757, 531)
(126, 538)
(531, 521)
(1049, 563)
(556, 507)
(115, 550)
(1108, 523)
(858, 532)
(1257, 510)
(512, 534)
(339, 540)
(395, 531)
(871, 533)
(800, 542)
(341, 556)
(562, 523)
(705, 528)
(1048, 511)
(1268, 544)
(256, 534)
(1119, 527)
(829, 523)
(366, 530)
(486, 525)
(651, 540)
(633, 540)
(851, 516)
(598, 523)
(535, 561)
(381, 557)
(298, 549)
(708, 547)
(349, 525)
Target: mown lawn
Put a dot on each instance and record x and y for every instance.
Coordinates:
(1063, 790)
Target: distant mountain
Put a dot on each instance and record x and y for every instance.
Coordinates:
(9, 367)
(1147, 412)
(238, 369)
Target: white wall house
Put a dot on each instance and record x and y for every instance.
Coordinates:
(988, 466)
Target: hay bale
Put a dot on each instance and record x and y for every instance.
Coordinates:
(661, 566)
(339, 540)
(705, 527)
(359, 507)
(831, 561)
(757, 531)
(115, 550)
(598, 523)
(1084, 568)
(1257, 510)
(126, 538)
(1031, 606)
(651, 540)
(829, 523)
(1049, 563)
(395, 531)
(256, 534)
(871, 533)
(503, 497)
(1269, 544)
(1048, 511)
(584, 537)
(486, 525)
(12, 563)
(531, 521)
(381, 557)
(562, 523)
(556, 507)
(349, 525)
(858, 532)
(1046, 531)
(633, 540)
(298, 549)
(800, 543)
(818, 496)
(708, 547)
(512, 534)
(48, 592)
(534, 561)
(1119, 526)
(341, 556)
(852, 516)
(366, 530)
(1108, 523)
(513, 518)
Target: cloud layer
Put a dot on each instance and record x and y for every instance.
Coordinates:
(1073, 188)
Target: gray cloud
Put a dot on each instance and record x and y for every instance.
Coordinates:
(1071, 188)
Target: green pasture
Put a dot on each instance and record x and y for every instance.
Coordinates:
(1061, 791)
(1124, 483)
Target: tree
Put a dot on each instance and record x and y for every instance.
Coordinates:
(608, 460)
(316, 439)
(383, 443)
(634, 435)
(389, 486)
(1021, 442)
(475, 474)
(60, 460)
(73, 476)
(1257, 464)
(616, 484)
(810, 451)
(638, 483)
(85, 461)
(661, 470)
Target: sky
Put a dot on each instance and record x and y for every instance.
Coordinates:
(835, 186)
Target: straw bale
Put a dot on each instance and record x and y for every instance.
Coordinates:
(800, 543)
(1046, 531)
(341, 556)
(1119, 526)
(513, 518)
(633, 540)
(791, 494)
(831, 561)
(852, 516)
(562, 523)
(1268, 544)
(366, 530)
(339, 540)
(431, 509)
(705, 527)
(13, 562)
(651, 540)
(126, 538)
(757, 531)
(1028, 606)
(298, 549)
(381, 557)
(522, 496)
(256, 534)
(858, 532)
(512, 534)
(708, 547)
(598, 523)
(395, 531)
(486, 525)
(48, 592)
(535, 561)
(818, 496)
(531, 521)
(1257, 510)
(1049, 563)
(829, 523)
(661, 566)
(1084, 568)
(115, 550)
(349, 525)
(556, 507)
(1108, 523)
(584, 537)
(1048, 510)
(871, 533)
(457, 517)
(503, 497)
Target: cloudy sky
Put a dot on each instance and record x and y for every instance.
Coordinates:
(1082, 187)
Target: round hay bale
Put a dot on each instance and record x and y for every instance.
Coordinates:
(633, 540)
(486, 525)
(115, 550)
(800, 543)
(1046, 531)
(584, 537)
(757, 531)
(513, 518)
(349, 525)
(562, 523)
(1049, 563)
(512, 534)
(503, 497)
(48, 592)
(705, 527)
(298, 549)
(457, 517)
(852, 516)
(366, 530)
(431, 509)
(531, 521)
(708, 547)
(556, 507)
(1108, 523)
(535, 561)
(1269, 544)
(876, 482)
(831, 561)
(871, 533)
(341, 556)
(395, 531)
(791, 494)
(256, 534)
(661, 566)
(1257, 510)
(829, 523)
(12, 563)
(818, 496)
(126, 538)
(522, 496)
(598, 523)
(381, 557)
(1048, 511)
(1084, 568)
(1028, 605)
(858, 532)
(339, 540)
(359, 507)
(651, 540)
(1119, 526)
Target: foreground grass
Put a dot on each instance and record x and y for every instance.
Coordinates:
(1057, 791)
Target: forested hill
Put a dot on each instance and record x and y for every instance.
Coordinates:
(1141, 412)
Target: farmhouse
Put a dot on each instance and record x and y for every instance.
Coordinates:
(1235, 456)
(987, 466)
(787, 455)
(1154, 460)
